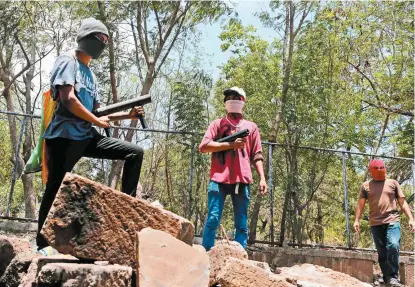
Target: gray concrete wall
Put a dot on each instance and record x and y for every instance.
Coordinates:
(357, 264)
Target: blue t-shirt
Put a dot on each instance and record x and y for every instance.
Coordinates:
(68, 70)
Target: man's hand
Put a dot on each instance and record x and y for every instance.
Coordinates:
(103, 122)
(136, 112)
(412, 225)
(263, 187)
(239, 143)
(356, 227)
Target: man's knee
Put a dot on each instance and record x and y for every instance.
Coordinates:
(136, 154)
(393, 245)
(212, 221)
(139, 151)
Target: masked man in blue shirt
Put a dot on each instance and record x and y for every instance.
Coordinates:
(70, 135)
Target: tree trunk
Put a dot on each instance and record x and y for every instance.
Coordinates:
(116, 166)
(11, 119)
(320, 229)
(287, 61)
(29, 194)
(166, 157)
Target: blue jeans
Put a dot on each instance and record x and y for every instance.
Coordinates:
(217, 193)
(387, 238)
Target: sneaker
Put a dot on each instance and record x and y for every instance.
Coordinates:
(393, 282)
(42, 252)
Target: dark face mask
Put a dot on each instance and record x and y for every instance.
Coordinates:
(91, 45)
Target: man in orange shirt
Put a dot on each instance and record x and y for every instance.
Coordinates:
(383, 195)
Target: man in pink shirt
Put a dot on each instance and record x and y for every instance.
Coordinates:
(230, 171)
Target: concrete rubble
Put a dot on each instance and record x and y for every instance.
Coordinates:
(114, 240)
(92, 221)
(166, 261)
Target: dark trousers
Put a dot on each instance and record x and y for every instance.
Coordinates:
(387, 238)
(63, 154)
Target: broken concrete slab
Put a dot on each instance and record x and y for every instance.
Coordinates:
(92, 221)
(166, 261)
(219, 253)
(38, 262)
(263, 265)
(84, 275)
(16, 270)
(241, 273)
(357, 264)
(309, 275)
(9, 248)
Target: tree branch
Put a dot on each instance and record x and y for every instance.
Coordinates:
(146, 33)
(389, 109)
(305, 13)
(382, 133)
(136, 52)
(170, 47)
(140, 34)
(173, 21)
(367, 78)
(24, 70)
(158, 21)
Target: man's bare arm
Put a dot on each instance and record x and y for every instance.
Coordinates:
(405, 208)
(213, 146)
(259, 166)
(359, 210)
(71, 102)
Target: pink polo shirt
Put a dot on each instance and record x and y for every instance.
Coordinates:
(237, 168)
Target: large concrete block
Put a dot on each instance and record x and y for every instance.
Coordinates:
(84, 275)
(241, 273)
(9, 248)
(308, 275)
(219, 253)
(92, 221)
(168, 262)
(36, 264)
(358, 265)
(406, 272)
(16, 270)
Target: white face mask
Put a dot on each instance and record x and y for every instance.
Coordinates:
(234, 106)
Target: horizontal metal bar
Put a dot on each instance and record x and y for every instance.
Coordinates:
(20, 114)
(159, 131)
(337, 151)
(264, 142)
(18, 218)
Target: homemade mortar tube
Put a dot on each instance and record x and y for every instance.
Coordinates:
(121, 106)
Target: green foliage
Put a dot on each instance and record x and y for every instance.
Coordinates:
(190, 101)
(346, 64)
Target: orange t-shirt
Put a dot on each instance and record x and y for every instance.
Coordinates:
(382, 197)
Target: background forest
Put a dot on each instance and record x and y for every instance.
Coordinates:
(335, 75)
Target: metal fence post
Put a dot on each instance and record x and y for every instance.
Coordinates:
(271, 193)
(107, 172)
(16, 164)
(191, 177)
(346, 200)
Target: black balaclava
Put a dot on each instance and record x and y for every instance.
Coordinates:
(87, 41)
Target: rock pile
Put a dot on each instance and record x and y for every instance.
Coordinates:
(114, 240)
